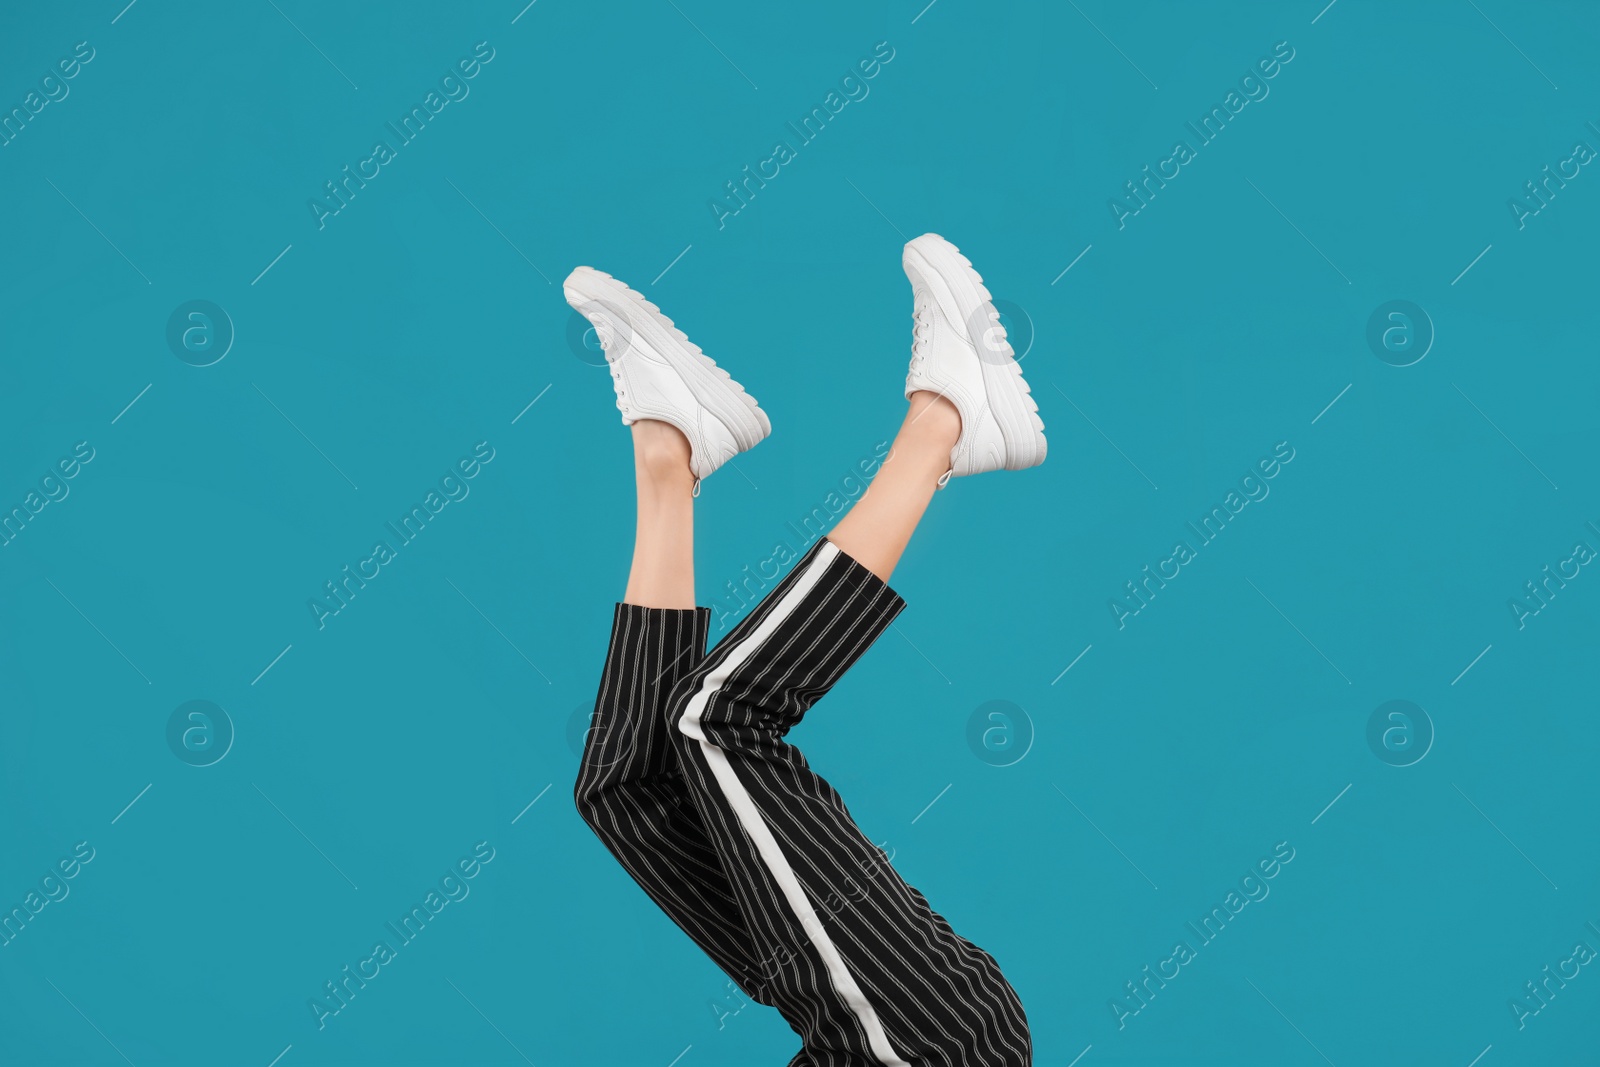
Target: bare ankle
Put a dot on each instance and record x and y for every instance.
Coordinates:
(661, 452)
(932, 418)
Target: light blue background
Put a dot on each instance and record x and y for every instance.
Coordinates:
(428, 714)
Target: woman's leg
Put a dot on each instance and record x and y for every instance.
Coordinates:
(877, 529)
(858, 963)
(630, 787)
(662, 575)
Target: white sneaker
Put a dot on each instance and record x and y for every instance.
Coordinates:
(660, 374)
(960, 351)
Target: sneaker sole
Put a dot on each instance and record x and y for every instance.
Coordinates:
(712, 387)
(1009, 398)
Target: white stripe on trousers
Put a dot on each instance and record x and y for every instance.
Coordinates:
(754, 824)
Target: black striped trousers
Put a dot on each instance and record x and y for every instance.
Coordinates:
(688, 781)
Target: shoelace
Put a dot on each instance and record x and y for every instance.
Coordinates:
(920, 327)
(614, 365)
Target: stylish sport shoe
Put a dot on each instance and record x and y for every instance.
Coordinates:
(660, 374)
(959, 350)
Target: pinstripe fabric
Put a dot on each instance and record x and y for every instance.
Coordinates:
(938, 998)
(795, 904)
(631, 790)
